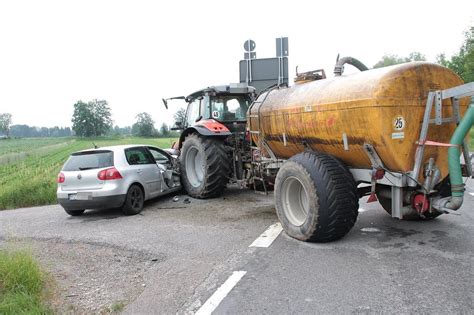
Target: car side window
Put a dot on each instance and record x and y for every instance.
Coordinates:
(138, 156)
(158, 156)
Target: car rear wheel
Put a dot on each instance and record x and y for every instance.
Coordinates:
(74, 213)
(134, 201)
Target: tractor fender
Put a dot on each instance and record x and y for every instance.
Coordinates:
(207, 128)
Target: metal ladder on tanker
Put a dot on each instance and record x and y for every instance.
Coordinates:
(437, 97)
(256, 165)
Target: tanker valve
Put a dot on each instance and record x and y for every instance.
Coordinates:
(421, 203)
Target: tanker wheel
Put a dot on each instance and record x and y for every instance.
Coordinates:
(316, 197)
(386, 204)
(205, 166)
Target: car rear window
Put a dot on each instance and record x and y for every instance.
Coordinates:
(88, 160)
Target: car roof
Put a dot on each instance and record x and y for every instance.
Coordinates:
(117, 147)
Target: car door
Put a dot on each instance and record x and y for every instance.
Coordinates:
(166, 165)
(143, 164)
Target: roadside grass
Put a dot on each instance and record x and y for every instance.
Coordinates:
(22, 284)
(117, 307)
(31, 179)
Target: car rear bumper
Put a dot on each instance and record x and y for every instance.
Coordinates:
(93, 203)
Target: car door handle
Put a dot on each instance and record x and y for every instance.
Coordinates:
(139, 171)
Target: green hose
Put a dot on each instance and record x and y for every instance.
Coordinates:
(455, 175)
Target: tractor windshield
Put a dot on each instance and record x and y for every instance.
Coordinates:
(229, 107)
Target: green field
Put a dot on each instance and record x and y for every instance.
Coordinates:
(28, 167)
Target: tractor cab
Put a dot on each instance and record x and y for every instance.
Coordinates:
(226, 105)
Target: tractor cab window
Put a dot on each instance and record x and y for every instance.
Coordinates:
(193, 112)
(229, 107)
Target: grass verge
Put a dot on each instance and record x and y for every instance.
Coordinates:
(22, 284)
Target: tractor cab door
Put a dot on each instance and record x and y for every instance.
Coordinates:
(193, 112)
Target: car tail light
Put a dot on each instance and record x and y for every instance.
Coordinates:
(109, 174)
(61, 178)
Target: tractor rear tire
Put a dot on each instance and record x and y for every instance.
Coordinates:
(205, 166)
(316, 197)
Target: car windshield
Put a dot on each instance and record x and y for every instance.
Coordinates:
(87, 160)
(229, 107)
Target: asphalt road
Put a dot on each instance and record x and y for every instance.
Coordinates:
(189, 250)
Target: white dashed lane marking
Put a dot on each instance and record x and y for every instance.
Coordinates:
(264, 240)
(267, 237)
(213, 302)
(370, 230)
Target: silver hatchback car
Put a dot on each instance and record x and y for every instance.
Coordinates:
(116, 176)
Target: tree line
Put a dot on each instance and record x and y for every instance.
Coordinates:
(462, 62)
(91, 119)
(94, 118)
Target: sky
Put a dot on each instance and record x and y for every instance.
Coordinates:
(133, 53)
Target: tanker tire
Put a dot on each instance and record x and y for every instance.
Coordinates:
(386, 204)
(211, 180)
(323, 187)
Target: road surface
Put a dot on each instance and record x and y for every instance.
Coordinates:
(175, 256)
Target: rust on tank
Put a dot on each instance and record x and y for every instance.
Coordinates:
(363, 106)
